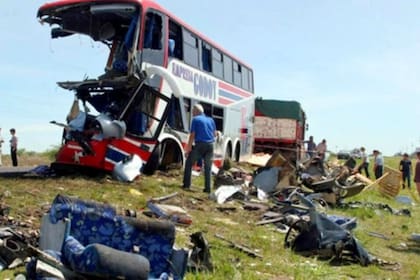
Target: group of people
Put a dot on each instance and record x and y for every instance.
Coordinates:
(13, 147)
(405, 165)
(316, 150)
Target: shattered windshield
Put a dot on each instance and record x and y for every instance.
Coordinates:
(101, 22)
(115, 24)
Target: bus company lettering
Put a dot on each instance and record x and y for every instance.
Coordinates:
(203, 86)
(182, 72)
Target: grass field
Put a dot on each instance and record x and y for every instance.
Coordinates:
(28, 198)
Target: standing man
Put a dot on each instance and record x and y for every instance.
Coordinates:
(13, 146)
(321, 149)
(365, 162)
(1, 142)
(310, 147)
(203, 133)
(417, 171)
(378, 167)
(405, 168)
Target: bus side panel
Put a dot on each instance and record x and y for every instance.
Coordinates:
(239, 126)
(72, 153)
(119, 149)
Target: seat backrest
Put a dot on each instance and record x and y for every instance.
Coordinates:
(98, 223)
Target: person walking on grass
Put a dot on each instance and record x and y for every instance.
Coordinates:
(378, 167)
(405, 168)
(203, 134)
(13, 147)
(364, 165)
(417, 171)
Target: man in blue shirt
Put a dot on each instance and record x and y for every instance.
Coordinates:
(203, 133)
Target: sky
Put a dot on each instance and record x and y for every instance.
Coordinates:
(353, 65)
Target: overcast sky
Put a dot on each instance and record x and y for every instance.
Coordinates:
(353, 65)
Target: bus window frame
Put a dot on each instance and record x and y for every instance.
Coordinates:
(164, 116)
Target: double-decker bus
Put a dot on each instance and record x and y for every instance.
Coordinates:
(157, 69)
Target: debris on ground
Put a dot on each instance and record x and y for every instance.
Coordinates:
(240, 247)
(294, 197)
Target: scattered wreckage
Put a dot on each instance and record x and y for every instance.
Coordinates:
(76, 235)
(80, 239)
(296, 198)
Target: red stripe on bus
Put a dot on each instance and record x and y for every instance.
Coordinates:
(224, 101)
(232, 89)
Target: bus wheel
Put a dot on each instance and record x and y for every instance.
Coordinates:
(171, 157)
(237, 154)
(228, 152)
(153, 163)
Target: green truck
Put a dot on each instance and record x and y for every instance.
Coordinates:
(279, 125)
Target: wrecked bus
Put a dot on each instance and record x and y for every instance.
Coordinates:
(157, 69)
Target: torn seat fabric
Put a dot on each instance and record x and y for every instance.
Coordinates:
(102, 261)
(98, 223)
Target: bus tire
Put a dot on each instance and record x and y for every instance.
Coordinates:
(228, 152)
(237, 153)
(153, 163)
(171, 155)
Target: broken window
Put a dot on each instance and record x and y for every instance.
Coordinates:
(206, 57)
(190, 49)
(175, 40)
(175, 115)
(146, 114)
(153, 32)
(237, 76)
(218, 116)
(217, 63)
(116, 25)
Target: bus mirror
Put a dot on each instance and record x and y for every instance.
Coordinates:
(111, 128)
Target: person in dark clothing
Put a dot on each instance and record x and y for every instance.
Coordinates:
(405, 168)
(203, 134)
(417, 171)
(13, 147)
(310, 147)
(378, 166)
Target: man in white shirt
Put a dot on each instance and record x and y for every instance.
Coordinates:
(13, 147)
(321, 149)
(364, 165)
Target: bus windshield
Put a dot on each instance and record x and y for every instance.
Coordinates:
(114, 24)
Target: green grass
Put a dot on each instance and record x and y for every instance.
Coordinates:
(28, 198)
